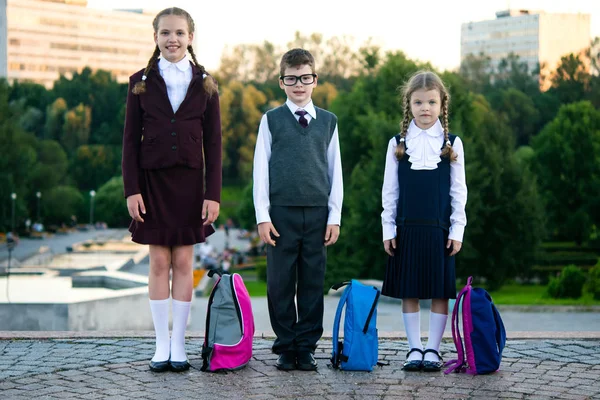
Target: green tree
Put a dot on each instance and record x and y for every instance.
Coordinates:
(477, 71)
(567, 164)
(520, 112)
(103, 95)
(18, 158)
(51, 167)
(76, 129)
(93, 165)
(60, 203)
(110, 204)
(240, 116)
(570, 81)
(55, 119)
(504, 212)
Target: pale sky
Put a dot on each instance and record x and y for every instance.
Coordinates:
(425, 30)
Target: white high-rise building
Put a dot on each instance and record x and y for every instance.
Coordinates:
(43, 39)
(535, 36)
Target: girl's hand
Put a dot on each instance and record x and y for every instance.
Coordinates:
(135, 204)
(456, 245)
(264, 231)
(210, 211)
(390, 246)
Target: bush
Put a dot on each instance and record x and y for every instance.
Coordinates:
(569, 283)
(593, 283)
(261, 269)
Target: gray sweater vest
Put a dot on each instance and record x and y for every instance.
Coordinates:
(298, 165)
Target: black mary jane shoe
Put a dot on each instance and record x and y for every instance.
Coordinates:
(286, 361)
(159, 366)
(179, 366)
(432, 366)
(305, 361)
(413, 365)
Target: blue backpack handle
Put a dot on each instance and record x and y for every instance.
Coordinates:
(337, 345)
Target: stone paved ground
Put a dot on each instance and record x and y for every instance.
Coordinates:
(117, 369)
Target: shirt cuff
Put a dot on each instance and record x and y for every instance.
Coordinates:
(334, 218)
(389, 231)
(456, 233)
(262, 216)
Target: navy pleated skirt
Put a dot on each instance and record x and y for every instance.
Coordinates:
(421, 267)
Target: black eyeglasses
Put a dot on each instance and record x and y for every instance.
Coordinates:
(290, 80)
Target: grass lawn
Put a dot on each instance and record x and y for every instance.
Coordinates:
(256, 288)
(513, 294)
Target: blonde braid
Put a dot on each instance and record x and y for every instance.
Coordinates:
(401, 148)
(210, 85)
(140, 87)
(448, 150)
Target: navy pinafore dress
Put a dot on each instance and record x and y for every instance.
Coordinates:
(421, 267)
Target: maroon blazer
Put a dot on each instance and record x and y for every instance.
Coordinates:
(155, 137)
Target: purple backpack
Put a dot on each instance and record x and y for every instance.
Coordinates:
(484, 333)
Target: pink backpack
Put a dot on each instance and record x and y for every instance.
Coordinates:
(229, 325)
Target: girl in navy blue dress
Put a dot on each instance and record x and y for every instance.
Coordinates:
(424, 196)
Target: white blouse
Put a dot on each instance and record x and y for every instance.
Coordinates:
(177, 76)
(424, 149)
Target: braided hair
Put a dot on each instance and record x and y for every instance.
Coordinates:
(429, 81)
(210, 85)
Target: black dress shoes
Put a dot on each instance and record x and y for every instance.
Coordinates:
(413, 365)
(286, 361)
(159, 366)
(305, 361)
(180, 366)
(433, 366)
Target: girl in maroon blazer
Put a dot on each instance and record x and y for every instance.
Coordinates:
(171, 148)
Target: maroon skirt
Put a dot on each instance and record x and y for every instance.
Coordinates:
(173, 198)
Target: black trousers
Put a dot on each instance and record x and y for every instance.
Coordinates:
(296, 271)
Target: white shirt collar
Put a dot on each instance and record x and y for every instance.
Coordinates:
(309, 108)
(414, 131)
(182, 65)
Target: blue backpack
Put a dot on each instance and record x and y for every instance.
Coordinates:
(484, 333)
(358, 351)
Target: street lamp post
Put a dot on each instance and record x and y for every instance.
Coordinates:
(39, 196)
(13, 196)
(92, 195)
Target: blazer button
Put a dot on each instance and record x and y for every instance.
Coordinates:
(173, 134)
(173, 121)
(174, 148)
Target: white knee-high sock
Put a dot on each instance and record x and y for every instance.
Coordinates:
(412, 324)
(160, 317)
(437, 324)
(181, 311)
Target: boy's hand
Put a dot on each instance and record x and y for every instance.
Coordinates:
(332, 234)
(264, 231)
(390, 246)
(135, 205)
(456, 246)
(210, 211)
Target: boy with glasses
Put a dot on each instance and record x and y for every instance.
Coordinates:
(298, 194)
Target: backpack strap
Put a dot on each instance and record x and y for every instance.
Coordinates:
(336, 354)
(500, 330)
(206, 350)
(459, 363)
(372, 311)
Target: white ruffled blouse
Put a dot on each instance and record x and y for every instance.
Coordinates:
(424, 148)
